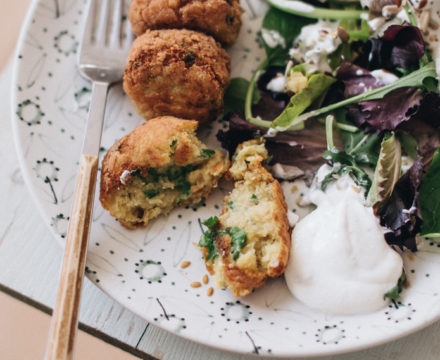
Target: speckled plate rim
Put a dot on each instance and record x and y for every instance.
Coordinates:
(45, 215)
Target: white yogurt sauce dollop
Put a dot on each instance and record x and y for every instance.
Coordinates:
(340, 262)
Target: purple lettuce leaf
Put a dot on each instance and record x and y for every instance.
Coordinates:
(356, 79)
(270, 105)
(388, 113)
(429, 110)
(239, 130)
(401, 46)
(401, 214)
(303, 148)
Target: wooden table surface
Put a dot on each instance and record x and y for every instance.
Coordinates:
(30, 261)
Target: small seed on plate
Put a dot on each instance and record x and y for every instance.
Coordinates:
(210, 291)
(185, 264)
(195, 284)
(355, 188)
(205, 279)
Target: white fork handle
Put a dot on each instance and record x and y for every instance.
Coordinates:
(65, 316)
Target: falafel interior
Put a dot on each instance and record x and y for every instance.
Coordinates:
(160, 165)
(250, 240)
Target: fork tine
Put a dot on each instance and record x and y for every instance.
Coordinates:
(87, 36)
(115, 34)
(128, 34)
(102, 12)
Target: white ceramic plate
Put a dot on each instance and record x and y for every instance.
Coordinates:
(140, 269)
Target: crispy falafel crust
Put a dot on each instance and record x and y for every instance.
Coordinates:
(256, 206)
(159, 143)
(182, 73)
(219, 18)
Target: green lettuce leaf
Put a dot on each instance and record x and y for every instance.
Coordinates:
(388, 170)
(409, 144)
(317, 84)
(305, 9)
(429, 198)
(394, 293)
(285, 28)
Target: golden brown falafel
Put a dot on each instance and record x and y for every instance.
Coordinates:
(159, 165)
(219, 18)
(251, 239)
(182, 73)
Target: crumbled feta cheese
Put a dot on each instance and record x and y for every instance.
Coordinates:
(384, 76)
(314, 43)
(277, 84)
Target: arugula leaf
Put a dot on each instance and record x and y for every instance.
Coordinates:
(429, 197)
(342, 163)
(414, 79)
(387, 172)
(235, 95)
(238, 240)
(317, 84)
(363, 147)
(394, 293)
(305, 9)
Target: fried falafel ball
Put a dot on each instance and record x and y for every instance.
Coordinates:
(158, 166)
(250, 240)
(182, 73)
(219, 18)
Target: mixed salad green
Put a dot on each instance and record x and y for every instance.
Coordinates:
(337, 88)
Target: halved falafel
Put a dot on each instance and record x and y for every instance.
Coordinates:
(159, 165)
(250, 240)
